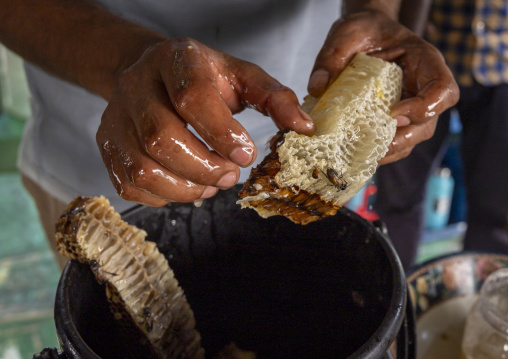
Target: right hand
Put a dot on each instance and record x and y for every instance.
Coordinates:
(428, 84)
(152, 156)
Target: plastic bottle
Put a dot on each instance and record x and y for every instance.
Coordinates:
(486, 330)
(438, 199)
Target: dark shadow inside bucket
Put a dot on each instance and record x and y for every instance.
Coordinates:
(268, 285)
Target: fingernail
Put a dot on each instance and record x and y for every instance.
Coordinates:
(227, 181)
(209, 192)
(242, 156)
(402, 121)
(319, 79)
(309, 122)
(305, 115)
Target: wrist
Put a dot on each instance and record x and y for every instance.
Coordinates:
(387, 7)
(132, 52)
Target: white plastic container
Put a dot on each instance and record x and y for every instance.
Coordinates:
(486, 331)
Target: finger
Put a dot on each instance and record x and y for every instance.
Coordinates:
(409, 136)
(428, 85)
(165, 138)
(190, 83)
(270, 97)
(124, 188)
(436, 96)
(136, 176)
(147, 174)
(429, 80)
(330, 61)
(396, 156)
(347, 37)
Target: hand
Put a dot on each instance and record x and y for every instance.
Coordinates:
(428, 85)
(152, 156)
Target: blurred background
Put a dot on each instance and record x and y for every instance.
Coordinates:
(29, 275)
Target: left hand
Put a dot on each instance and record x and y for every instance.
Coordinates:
(151, 154)
(428, 85)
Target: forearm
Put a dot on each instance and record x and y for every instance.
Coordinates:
(75, 40)
(389, 7)
(414, 14)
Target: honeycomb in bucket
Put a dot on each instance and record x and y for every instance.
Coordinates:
(142, 290)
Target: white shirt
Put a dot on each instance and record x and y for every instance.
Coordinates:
(59, 151)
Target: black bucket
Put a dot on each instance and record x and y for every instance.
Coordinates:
(331, 289)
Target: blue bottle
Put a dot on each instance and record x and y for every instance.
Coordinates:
(438, 199)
